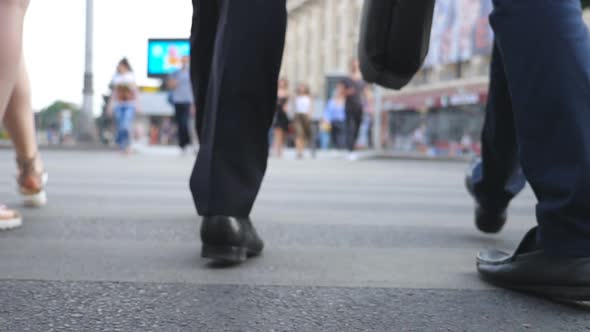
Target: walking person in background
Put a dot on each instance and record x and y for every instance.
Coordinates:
(355, 89)
(420, 139)
(66, 128)
(16, 112)
(166, 131)
(369, 115)
(303, 113)
(123, 104)
(281, 120)
(335, 115)
(325, 130)
(179, 84)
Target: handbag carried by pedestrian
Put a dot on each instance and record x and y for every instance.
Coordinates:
(394, 40)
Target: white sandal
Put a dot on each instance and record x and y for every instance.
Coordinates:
(9, 219)
(32, 183)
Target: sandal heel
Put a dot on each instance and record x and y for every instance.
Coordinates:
(35, 200)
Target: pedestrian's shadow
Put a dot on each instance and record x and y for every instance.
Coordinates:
(480, 241)
(578, 306)
(220, 265)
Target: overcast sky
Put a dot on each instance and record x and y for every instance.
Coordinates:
(54, 41)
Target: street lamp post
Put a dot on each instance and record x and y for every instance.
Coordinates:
(86, 130)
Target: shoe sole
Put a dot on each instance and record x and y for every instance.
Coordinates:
(565, 293)
(9, 224)
(36, 200)
(39, 199)
(488, 227)
(226, 255)
(479, 224)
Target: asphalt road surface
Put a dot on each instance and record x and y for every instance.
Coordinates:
(375, 245)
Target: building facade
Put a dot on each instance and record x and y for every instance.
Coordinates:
(446, 99)
(321, 40)
(323, 36)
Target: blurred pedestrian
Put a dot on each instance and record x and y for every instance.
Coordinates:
(325, 130)
(281, 119)
(335, 116)
(302, 121)
(166, 131)
(466, 144)
(369, 115)
(154, 134)
(53, 133)
(16, 112)
(123, 104)
(66, 127)
(179, 84)
(355, 89)
(420, 139)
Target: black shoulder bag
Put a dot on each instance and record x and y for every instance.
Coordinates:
(394, 40)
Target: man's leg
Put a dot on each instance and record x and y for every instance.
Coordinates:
(177, 122)
(184, 123)
(546, 51)
(349, 131)
(497, 178)
(242, 53)
(341, 137)
(239, 105)
(336, 135)
(370, 123)
(545, 47)
(353, 122)
(203, 35)
(181, 116)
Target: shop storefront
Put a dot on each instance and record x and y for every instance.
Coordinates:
(438, 122)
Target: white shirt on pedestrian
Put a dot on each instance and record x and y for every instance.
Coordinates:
(125, 80)
(302, 105)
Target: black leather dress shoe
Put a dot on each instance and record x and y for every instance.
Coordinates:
(532, 270)
(487, 219)
(229, 240)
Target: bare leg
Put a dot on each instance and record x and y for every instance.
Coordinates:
(300, 143)
(19, 120)
(20, 123)
(12, 14)
(279, 142)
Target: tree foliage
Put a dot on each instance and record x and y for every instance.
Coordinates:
(51, 114)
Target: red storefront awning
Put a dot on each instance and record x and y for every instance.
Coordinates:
(469, 94)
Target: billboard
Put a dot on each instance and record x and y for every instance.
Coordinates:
(460, 31)
(164, 55)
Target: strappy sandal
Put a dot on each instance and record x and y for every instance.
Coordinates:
(31, 183)
(9, 219)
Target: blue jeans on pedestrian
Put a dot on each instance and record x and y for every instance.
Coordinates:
(124, 115)
(338, 134)
(324, 139)
(540, 118)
